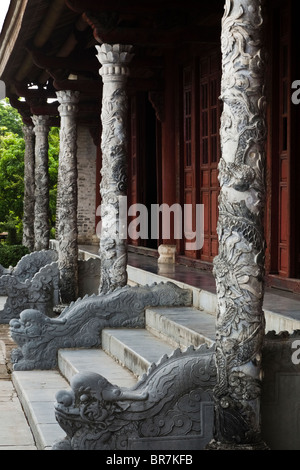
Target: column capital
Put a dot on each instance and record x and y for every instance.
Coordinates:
(41, 123)
(68, 100)
(114, 59)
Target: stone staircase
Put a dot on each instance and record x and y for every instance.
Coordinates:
(125, 356)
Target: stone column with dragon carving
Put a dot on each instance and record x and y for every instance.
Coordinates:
(29, 187)
(41, 208)
(66, 225)
(113, 244)
(239, 266)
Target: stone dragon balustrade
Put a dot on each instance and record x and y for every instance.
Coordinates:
(42, 291)
(80, 324)
(34, 282)
(170, 407)
(28, 266)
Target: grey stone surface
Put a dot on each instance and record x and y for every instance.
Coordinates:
(66, 223)
(88, 276)
(29, 187)
(41, 207)
(41, 291)
(14, 430)
(182, 326)
(239, 267)
(113, 245)
(169, 408)
(136, 349)
(27, 267)
(279, 391)
(280, 400)
(75, 361)
(80, 324)
(36, 391)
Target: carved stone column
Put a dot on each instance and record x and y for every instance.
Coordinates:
(29, 187)
(113, 246)
(239, 266)
(41, 211)
(67, 197)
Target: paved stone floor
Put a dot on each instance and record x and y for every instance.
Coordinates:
(15, 433)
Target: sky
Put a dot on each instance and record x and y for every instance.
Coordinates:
(4, 4)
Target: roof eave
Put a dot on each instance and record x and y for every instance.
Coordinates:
(10, 32)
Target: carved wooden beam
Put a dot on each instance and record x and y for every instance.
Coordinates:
(142, 36)
(23, 90)
(45, 109)
(137, 6)
(75, 64)
(88, 87)
(22, 107)
(82, 64)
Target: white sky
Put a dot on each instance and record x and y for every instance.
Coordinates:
(4, 4)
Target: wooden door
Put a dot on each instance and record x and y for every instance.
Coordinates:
(210, 113)
(189, 158)
(284, 148)
(142, 170)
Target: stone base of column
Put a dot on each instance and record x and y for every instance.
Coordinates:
(166, 254)
(215, 445)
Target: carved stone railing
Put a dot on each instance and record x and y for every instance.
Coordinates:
(80, 324)
(41, 291)
(171, 407)
(27, 267)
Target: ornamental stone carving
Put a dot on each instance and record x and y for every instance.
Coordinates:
(239, 266)
(171, 407)
(113, 246)
(41, 291)
(66, 224)
(80, 324)
(27, 267)
(41, 208)
(29, 187)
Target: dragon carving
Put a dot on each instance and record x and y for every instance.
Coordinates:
(80, 324)
(170, 407)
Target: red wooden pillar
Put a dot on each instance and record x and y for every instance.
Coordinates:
(168, 137)
(168, 143)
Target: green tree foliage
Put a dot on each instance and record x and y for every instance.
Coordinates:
(10, 119)
(11, 175)
(53, 171)
(12, 148)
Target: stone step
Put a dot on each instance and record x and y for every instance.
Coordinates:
(74, 361)
(126, 355)
(282, 309)
(202, 299)
(181, 326)
(135, 349)
(36, 391)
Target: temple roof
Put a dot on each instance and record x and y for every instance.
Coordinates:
(49, 44)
